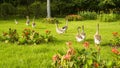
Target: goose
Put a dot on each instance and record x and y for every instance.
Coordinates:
(33, 23)
(59, 30)
(97, 37)
(79, 37)
(83, 33)
(66, 26)
(16, 22)
(28, 20)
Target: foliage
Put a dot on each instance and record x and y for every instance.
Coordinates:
(32, 37)
(28, 37)
(73, 17)
(21, 11)
(107, 17)
(48, 37)
(36, 9)
(116, 55)
(50, 20)
(116, 39)
(6, 9)
(10, 36)
(106, 4)
(84, 58)
(60, 8)
(87, 15)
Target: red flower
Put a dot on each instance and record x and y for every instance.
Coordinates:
(114, 50)
(47, 31)
(86, 44)
(55, 57)
(67, 57)
(115, 33)
(26, 33)
(96, 65)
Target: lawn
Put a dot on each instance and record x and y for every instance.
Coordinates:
(40, 56)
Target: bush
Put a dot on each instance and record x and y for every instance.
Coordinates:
(28, 37)
(32, 37)
(10, 36)
(84, 58)
(116, 39)
(87, 15)
(7, 9)
(38, 9)
(110, 17)
(50, 20)
(73, 17)
(21, 11)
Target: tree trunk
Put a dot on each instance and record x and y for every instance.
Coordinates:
(48, 9)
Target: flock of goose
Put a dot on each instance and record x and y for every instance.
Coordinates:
(28, 21)
(80, 35)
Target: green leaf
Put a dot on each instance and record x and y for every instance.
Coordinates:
(71, 64)
(109, 64)
(90, 61)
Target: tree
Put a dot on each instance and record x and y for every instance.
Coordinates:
(48, 9)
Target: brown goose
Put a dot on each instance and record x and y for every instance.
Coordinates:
(28, 20)
(66, 26)
(83, 33)
(79, 37)
(59, 30)
(33, 23)
(97, 37)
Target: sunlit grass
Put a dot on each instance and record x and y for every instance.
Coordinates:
(40, 56)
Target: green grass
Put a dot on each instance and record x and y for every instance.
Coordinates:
(40, 56)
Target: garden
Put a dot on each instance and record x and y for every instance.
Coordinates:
(66, 38)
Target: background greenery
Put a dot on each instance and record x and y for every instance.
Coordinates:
(59, 8)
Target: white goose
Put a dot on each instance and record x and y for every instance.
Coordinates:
(79, 37)
(16, 22)
(28, 20)
(66, 26)
(33, 23)
(59, 30)
(97, 37)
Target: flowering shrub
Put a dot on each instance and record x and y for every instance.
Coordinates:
(28, 37)
(73, 17)
(82, 58)
(116, 39)
(48, 37)
(116, 55)
(50, 20)
(32, 37)
(10, 36)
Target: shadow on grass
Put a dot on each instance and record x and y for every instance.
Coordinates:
(58, 42)
(106, 44)
(90, 40)
(40, 28)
